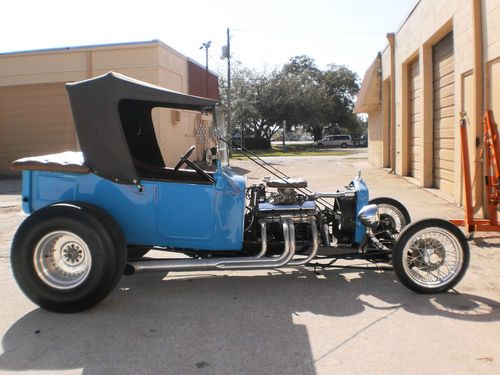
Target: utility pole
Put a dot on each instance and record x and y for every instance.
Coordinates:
(226, 54)
(206, 46)
(228, 51)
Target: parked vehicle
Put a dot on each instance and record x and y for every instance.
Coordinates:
(335, 141)
(361, 141)
(95, 214)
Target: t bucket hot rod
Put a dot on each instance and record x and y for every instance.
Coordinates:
(94, 215)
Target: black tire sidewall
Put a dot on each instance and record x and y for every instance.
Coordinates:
(105, 263)
(410, 231)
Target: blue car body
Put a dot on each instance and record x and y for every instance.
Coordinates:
(169, 214)
(166, 214)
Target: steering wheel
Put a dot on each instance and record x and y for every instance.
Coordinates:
(185, 159)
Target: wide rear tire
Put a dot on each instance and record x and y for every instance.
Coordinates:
(431, 256)
(68, 257)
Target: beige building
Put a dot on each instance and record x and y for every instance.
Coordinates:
(443, 62)
(35, 117)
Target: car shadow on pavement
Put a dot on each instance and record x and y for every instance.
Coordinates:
(222, 323)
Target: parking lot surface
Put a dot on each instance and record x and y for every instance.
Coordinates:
(286, 321)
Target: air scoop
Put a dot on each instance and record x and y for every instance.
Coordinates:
(286, 183)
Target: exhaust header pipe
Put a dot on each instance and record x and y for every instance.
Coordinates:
(245, 263)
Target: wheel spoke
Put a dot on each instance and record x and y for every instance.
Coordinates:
(433, 257)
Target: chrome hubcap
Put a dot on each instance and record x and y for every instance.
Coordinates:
(432, 257)
(62, 260)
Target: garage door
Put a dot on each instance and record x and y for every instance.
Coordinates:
(415, 120)
(34, 120)
(443, 114)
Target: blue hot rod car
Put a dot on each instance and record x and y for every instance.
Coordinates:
(95, 214)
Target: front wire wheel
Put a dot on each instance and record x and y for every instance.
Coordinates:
(431, 256)
(393, 218)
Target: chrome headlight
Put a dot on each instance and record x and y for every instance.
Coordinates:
(369, 216)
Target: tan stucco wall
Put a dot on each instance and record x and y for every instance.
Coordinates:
(429, 21)
(491, 13)
(493, 101)
(153, 62)
(491, 24)
(376, 145)
(173, 69)
(386, 63)
(79, 63)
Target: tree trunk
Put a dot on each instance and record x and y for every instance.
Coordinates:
(318, 134)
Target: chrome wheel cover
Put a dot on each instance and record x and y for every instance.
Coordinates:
(432, 257)
(62, 260)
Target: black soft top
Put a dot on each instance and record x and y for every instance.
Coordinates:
(112, 115)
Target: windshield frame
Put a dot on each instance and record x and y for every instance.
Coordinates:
(221, 132)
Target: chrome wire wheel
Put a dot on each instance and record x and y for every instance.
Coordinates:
(432, 258)
(391, 219)
(62, 260)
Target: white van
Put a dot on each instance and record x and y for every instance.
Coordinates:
(335, 141)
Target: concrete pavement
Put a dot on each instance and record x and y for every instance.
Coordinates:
(345, 321)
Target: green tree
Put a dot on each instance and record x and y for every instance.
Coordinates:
(299, 93)
(253, 102)
(342, 86)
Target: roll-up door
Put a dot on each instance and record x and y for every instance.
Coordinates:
(444, 114)
(415, 120)
(34, 120)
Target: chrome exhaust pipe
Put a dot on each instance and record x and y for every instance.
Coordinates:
(314, 249)
(263, 235)
(255, 262)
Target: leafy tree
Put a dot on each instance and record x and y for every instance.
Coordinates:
(342, 87)
(251, 102)
(299, 93)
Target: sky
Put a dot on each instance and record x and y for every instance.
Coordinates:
(264, 34)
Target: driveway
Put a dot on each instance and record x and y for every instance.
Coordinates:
(287, 321)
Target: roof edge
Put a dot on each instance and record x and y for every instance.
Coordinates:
(154, 42)
(372, 76)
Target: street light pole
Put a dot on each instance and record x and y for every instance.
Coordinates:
(206, 46)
